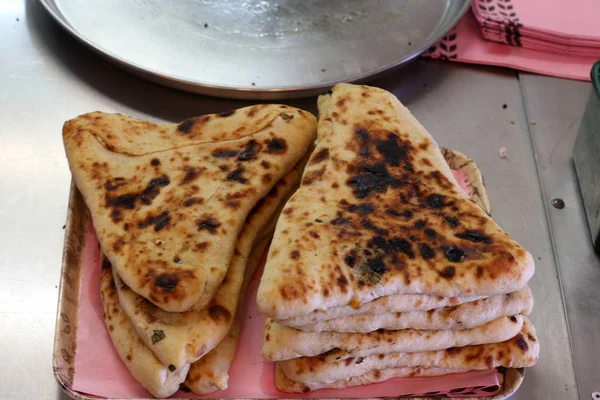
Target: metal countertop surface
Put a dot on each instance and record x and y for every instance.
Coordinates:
(47, 77)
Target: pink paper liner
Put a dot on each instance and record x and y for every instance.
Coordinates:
(100, 372)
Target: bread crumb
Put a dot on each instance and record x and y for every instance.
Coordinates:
(503, 153)
(532, 122)
(158, 242)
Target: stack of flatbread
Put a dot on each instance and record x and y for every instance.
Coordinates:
(382, 267)
(183, 214)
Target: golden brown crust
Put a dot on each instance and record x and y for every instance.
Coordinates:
(191, 334)
(380, 213)
(522, 350)
(168, 201)
(160, 380)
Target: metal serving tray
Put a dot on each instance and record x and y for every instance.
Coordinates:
(70, 287)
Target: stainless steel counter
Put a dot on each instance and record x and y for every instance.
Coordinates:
(46, 77)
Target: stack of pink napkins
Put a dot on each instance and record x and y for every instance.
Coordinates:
(550, 37)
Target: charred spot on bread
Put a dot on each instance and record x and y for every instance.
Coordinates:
(367, 224)
(426, 252)
(186, 125)
(340, 221)
(224, 153)
(393, 152)
(453, 253)
(420, 224)
(435, 201)
(192, 200)
(480, 271)
(209, 224)
(320, 156)
(167, 281)
(452, 221)
(430, 233)
(362, 209)
(370, 179)
(128, 201)
(521, 343)
(350, 258)
(115, 215)
(159, 221)
(218, 313)
(115, 183)
(249, 152)
(237, 176)
(191, 174)
(475, 236)
(276, 146)
(448, 272)
(312, 176)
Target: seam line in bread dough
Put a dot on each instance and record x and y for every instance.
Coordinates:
(184, 146)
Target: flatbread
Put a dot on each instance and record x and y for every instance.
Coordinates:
(520, 351)
(396, 303)
(158, 379)
(211, 372)
(510, 380)
(285, 384)
(188, 336)
(465, 316)
(168, 201)
(379, 213)
(284, 343)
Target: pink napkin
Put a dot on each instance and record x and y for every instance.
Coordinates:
(552, 26)
(466, 44)
(573, 22)
(100, 372)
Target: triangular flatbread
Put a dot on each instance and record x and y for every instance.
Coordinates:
(510, 379)
(285, 384)
(395, 303)
(522, 350)
(186, 337)
(464, 316)
(168, 201)
(284, 343)
(211, 372)
(379, 213)
(157, 378)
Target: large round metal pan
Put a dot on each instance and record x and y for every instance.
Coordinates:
(257, 49)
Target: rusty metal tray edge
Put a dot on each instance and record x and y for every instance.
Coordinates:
(63, 360)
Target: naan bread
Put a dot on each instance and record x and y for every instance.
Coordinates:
(520, 351)
(160, 380)
(379, 213)
(464, 316)
(396, 303)
(285, 384)
(284, 343)
(186, 337)
(168, 201)
(211, 372)
(510, 380)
